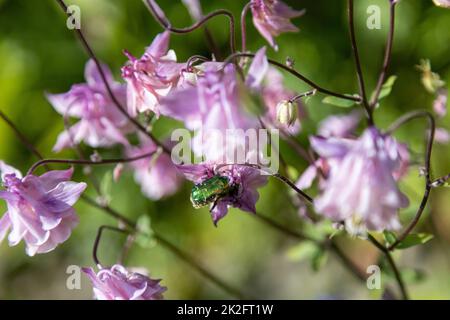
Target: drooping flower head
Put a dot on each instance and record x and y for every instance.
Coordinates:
(101, 123)
(157, 175)
(117, 283)
(274, 92)
(243, 182)
(341, 126)
(39, 208)
(361, 190)
(152, 76)
(272, 17)
(213, 108)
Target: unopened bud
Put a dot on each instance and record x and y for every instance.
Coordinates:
(287, 112)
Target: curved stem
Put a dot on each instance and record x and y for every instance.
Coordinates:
(302, 95)
(193, 59)
(362, 89)
(432, 127)
(387, 56)
(205, 273)
(88, 162)
(114, 99)
(97, 241)
(244, 26)
(167, 25)
(175, 250)
(391, 262)
(294, 73)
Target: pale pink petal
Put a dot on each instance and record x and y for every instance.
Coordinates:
(258, 69)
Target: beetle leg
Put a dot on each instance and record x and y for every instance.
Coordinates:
(214, 204)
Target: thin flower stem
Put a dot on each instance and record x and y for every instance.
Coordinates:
(362, 89)
(114, 99)
(394, 267)
(21, 137)
(428, 181)
(275, 225)
(107, 209)
(330, 244)
(175, 250)
(294, 73)
(98, 238)
(131, 224)
(205, 273)
(387, 55)
(302, 95)
(167, 25)
(275, 175)
(244, 26)
(89, 162)
(194, 59)
(302, 152)
(440, 181)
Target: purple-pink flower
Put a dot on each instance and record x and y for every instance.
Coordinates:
(245, 181)
(342, 126)
(39, 208)
(442, 3)
(440, 102)
(272, 17)
(117, 283)
(361, 190)
(152, 76)
(101, 123)
(157, 175)
(212, 107)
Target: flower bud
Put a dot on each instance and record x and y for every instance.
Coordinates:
(287, 112)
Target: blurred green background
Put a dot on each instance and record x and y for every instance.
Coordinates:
(39, 54)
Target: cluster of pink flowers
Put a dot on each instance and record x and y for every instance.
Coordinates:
(358, 175)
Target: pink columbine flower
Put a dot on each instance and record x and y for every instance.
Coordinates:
(268, 82)
(101, 123)
(117, 283)
(194, 8)
(212, 107)
(342, 126)
(39, 208)
(361, 190)
(157, 175)
(442, 3)
(440, 102)
(245, 179)
(272, 17)
(152, 76)
(441, 135)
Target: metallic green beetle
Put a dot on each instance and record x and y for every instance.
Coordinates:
(211, 190)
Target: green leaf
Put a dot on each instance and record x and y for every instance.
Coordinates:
(412, 276)
(319, 259)
(302, 251)
(144, 236)
(106, 186)
(389, 237)
(387, 87)
(338, 102)
(414, 240)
